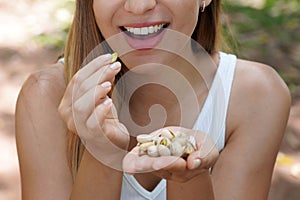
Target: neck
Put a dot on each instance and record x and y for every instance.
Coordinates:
(171, 95)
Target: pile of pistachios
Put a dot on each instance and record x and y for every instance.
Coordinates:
(166, 143)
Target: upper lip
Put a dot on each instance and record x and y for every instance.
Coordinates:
(144, 29)
(143, 24)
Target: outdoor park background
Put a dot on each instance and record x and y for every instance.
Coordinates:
(32, 34)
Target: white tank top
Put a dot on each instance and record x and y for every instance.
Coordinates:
(211, 120)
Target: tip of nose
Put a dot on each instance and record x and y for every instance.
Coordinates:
(139, 6)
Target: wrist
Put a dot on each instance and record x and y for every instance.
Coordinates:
(198, 187)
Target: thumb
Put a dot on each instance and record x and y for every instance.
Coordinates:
(205, 157)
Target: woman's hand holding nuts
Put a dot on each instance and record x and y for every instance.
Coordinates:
(173, 153)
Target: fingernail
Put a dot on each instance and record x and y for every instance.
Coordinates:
(115, 66)
(106, 84)
(107, 102)
(107, 57)
(196, 163)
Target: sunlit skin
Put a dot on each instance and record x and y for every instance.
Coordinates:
(257, 114)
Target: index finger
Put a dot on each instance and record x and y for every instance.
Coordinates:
(87, 71)
(93, 66)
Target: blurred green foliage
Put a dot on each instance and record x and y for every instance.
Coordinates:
(277, 20)
(268, 33)
(61, 19)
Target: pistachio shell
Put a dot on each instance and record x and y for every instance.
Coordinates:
(164, 141)
(192, 140)
(143, 138)
(176, 149)
(189, 148)
(152, 151)
(167, 134)
(145, 146)
(163, 150)
(177, 133)
(114, 57)
(182, 140)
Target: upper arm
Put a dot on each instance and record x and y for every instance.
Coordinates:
(41, 138)
(258, 114)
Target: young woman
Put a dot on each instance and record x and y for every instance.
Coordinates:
(57, 105)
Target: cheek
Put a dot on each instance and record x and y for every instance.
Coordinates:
(102, 16)
(98, 12)
(189, 18)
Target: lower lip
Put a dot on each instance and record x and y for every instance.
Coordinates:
(145, 43)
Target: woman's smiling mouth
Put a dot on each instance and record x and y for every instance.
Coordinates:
(143, 37)
(144, 31)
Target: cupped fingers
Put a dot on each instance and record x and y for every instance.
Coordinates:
(129, 161)
(133, 163)
(170, 163)
(203, 158)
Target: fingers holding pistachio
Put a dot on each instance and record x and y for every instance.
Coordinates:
(83, 82)
(86, 108)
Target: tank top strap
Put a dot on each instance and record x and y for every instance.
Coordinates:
(212, 118)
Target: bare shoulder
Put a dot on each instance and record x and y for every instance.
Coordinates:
(47, 81)
(41, 94)
(41, 136)
(257, 90)
(263, 84)
(260, 78)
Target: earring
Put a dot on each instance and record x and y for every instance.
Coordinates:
(203, 5)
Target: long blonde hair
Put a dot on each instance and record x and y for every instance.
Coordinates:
(84, 36)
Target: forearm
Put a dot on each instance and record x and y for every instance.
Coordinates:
(199, 188)
(95, 180)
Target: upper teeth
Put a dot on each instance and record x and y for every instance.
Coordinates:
(144, 30)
